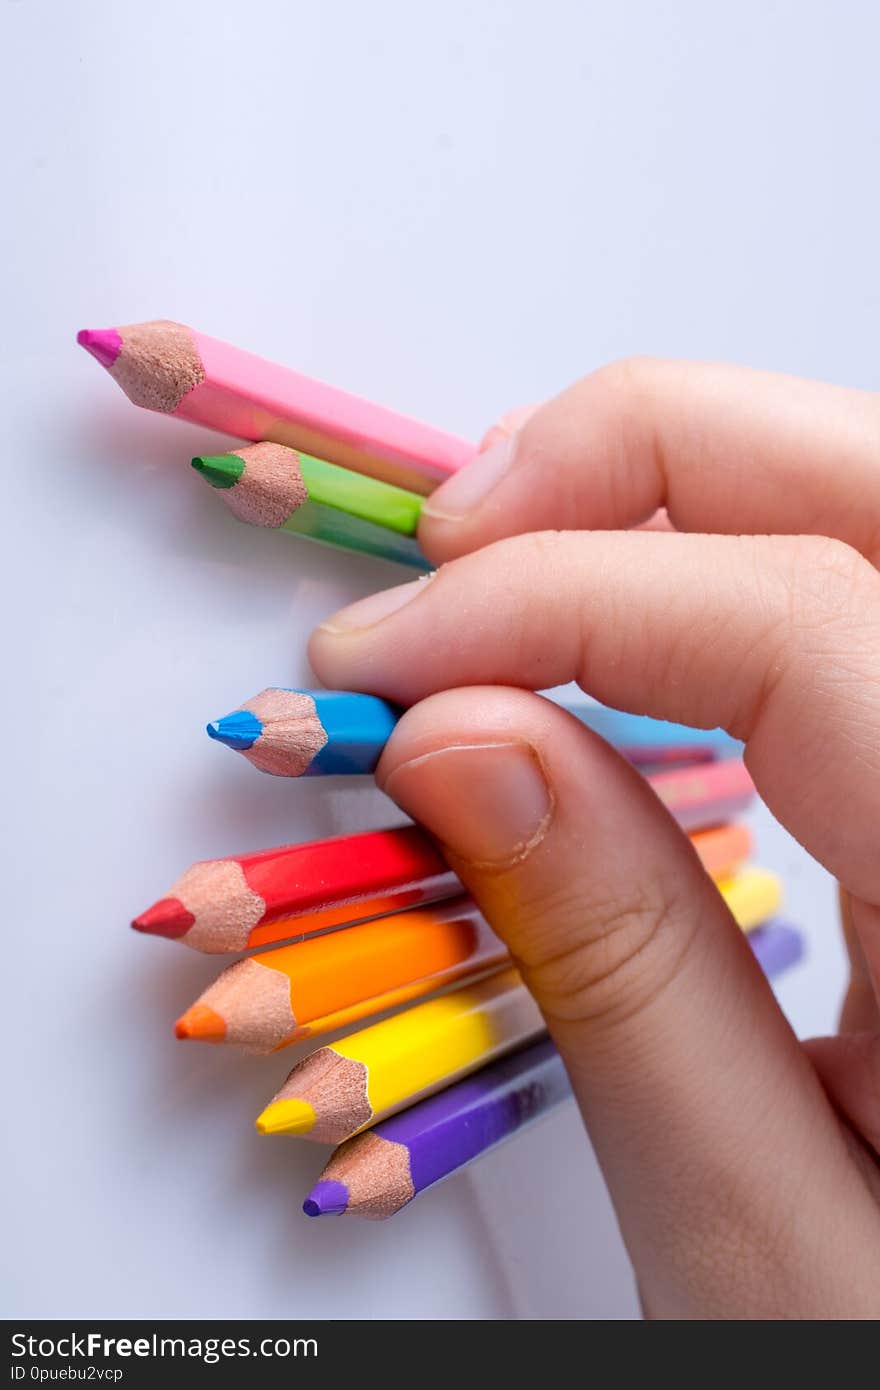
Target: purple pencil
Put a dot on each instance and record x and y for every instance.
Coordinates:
(777, 946)
(378, 1172)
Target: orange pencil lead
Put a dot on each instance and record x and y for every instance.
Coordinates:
(202, 1023)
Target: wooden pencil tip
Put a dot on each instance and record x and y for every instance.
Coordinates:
(286, 1117)
(104, 344)
(327, 1198)
(168, 917)
(202, 1023)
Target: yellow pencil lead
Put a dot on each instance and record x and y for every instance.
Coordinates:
(286, 1117)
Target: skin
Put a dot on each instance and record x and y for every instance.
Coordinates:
(744, 1166)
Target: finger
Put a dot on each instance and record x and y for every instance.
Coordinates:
(860, 1012)
(678, 1054)
(507, 426)
(657, 521)
(775, 639)
(849, 1069)
(723, 449)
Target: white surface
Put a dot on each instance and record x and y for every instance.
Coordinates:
(452, 211)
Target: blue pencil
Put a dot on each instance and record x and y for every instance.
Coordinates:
(315, 733)
(632, 731)
(308, 733)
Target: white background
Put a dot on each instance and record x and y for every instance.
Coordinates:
(451, 209)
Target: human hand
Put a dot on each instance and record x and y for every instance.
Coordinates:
(744, 1167)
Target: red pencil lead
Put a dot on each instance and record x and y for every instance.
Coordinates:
(167, 917)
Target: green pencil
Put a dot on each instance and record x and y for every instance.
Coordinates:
(284, 489)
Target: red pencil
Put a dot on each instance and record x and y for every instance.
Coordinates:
(273, 895)
(225, 905)
(699, 797)
(649, 757)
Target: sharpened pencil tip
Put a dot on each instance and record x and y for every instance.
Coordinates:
(286, 1117)
(239, 730)
(168, 917)
(104, 344)
(327, 1198)
(202, 1023)
(220, 470)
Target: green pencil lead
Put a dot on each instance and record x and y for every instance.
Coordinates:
(220, 470)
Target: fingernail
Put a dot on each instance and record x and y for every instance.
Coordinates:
(506, 425)
(466, 489)
(372, 609)
(488, 803)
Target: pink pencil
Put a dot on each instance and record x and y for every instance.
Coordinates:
(170, 368)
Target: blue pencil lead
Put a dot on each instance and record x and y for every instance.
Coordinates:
(239, 730)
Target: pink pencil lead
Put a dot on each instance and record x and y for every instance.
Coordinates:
(103, 343)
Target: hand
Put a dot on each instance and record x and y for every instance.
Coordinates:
(742, 1165)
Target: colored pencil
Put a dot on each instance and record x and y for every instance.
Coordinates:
(308, 733)
(273, 486)
(274, 895)
(654, 757)
(777, 946)
(637, 730)
(699, 797)
(723, 849)
(753, 895)
(295, 733)
(373, 1073)
(378, 1172)
(294, 992)
(175, 370)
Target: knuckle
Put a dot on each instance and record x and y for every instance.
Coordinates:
(832, 604)
(832, 576)
(627, 377)
(815, 602)
(602, 959)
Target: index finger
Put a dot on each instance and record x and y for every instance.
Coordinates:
(724, 449)
(775, 639)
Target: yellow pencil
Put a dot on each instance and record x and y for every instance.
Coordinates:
(752, 896)
(341, 1089)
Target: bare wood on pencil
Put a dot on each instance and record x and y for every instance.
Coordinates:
(292, 734)
(219, 893)
(271, 487)
(343, 1084)
(250, 1005)
(377, 1174)
(158, 364)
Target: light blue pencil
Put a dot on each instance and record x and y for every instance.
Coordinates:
(308, 733)
(315, 733)
(635, 731)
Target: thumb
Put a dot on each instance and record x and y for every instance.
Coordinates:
(697, 1096)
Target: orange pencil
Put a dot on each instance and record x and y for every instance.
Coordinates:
(724, 849)
(282, 996)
